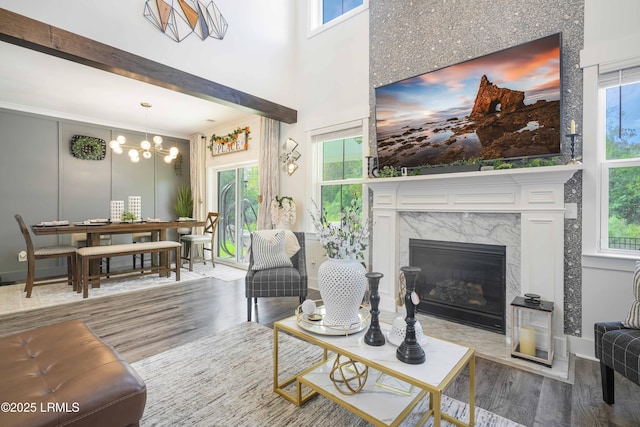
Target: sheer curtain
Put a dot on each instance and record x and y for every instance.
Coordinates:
(269, 176)
(197, 170)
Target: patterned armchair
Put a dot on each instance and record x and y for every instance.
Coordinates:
(277, 281)
(618, 349)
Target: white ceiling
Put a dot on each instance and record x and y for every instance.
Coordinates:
(40, 83)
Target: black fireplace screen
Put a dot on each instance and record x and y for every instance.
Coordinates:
(462, 282)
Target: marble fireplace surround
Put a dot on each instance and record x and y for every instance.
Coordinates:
(522, 209)
(501, 229)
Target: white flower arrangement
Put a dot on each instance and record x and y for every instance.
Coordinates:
(345, 240)
(283, 210)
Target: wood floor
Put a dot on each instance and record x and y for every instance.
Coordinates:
(141, 324)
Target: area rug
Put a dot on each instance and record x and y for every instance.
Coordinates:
(226, 379)
(12, 297)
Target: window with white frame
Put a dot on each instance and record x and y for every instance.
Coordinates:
(619, 156)
(324, 13)
(339, 164)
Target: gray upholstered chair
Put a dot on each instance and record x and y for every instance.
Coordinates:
(47, 252)
(618, 349)
(278, 281)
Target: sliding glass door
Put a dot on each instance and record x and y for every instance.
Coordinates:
(238, 207)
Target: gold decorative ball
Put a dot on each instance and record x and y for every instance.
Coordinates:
(348, 376)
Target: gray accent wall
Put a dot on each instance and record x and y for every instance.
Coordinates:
(408, 38)
(42, 181)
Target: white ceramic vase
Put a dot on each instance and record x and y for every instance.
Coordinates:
(342, 284)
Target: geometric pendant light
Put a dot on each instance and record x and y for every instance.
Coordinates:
(145, 149)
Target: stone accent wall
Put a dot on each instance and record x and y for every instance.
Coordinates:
(408, 38)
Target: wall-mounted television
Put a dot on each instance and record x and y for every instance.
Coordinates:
(504, 105)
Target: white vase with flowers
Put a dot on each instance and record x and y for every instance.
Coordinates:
(341, 278)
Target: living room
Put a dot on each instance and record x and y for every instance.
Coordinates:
(271, 46)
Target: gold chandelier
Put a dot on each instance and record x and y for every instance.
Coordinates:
(119, 144)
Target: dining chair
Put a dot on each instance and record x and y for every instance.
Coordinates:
(46, 252)
(190, 241)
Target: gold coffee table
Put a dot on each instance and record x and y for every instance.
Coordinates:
(400, 386)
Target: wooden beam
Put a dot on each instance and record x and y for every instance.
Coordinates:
(29, 33)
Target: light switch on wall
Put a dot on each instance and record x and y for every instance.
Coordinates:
(571, 211)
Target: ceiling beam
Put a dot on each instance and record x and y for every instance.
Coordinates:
(29, 33)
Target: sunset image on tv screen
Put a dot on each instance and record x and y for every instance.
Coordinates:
(504, 105)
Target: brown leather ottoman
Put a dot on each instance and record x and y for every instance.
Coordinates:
(63, 374)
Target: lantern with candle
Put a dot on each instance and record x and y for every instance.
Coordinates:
(531, 329)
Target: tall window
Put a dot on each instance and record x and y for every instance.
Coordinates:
(341, 162)
(238, 207)
(331, 9)
(621, 160)
(326, 13)
(339, 166)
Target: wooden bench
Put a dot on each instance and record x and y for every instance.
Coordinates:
(87, 254)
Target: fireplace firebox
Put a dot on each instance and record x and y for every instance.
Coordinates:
(461, 282)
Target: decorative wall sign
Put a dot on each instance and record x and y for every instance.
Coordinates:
(88, 147)
(180, 18)
(238, 140)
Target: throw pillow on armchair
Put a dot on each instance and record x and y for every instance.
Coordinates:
(269, 253)
(633, 317)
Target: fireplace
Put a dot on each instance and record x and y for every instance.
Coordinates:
(521, 209)
(461, 282)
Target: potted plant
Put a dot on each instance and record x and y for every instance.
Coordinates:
(184, 202)
(184, 206)
(128, 216)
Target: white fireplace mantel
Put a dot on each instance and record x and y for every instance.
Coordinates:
(507, 190)
(537, 194)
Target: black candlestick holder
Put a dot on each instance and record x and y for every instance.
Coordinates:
(410, 351)
(374, 335)
(372, 166)
(573, 160)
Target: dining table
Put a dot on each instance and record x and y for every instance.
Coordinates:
(96, 228)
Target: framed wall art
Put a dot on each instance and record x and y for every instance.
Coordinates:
(88, 147)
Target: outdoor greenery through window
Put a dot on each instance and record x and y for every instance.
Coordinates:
(341, 162)
(621, 165)
(238, 207)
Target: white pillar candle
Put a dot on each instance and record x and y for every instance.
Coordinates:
(573, 127)
(528, 340)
